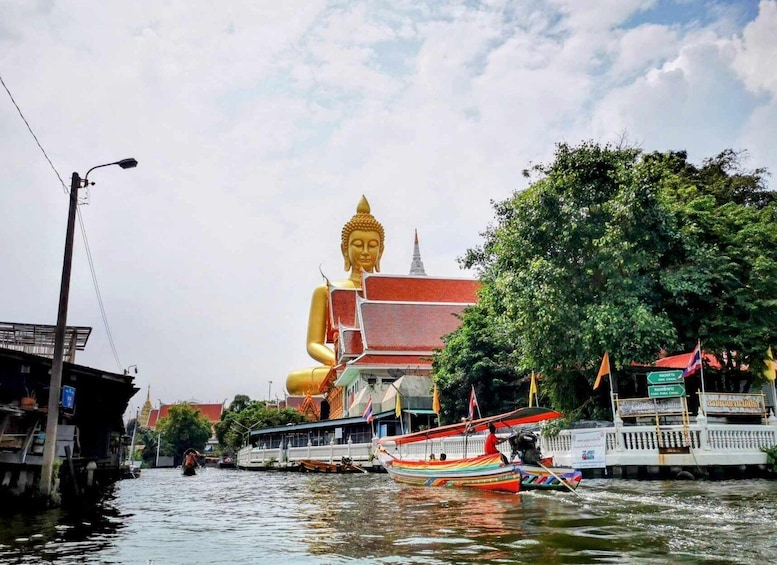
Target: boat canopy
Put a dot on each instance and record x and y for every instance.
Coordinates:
(508, 420)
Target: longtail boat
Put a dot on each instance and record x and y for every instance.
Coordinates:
(486, 472)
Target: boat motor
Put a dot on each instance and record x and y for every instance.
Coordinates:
(524, 445)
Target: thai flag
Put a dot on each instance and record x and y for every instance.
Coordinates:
(473, 402)
(695, 362)
(367, 414)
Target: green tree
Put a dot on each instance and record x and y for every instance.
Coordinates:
(183, 428)
(244, 415)
(613, 250)
(480, 355)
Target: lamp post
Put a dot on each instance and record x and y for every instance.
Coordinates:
(246, 430)
(55, 387)
(127, 370)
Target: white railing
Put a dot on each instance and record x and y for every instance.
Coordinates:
(710, 444)
(285, 455)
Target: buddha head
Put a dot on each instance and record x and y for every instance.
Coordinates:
(362, 241)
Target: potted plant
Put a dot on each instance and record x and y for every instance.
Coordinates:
(30, 401)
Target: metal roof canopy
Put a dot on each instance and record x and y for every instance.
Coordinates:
(38, 339)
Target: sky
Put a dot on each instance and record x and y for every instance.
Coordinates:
(258, 126)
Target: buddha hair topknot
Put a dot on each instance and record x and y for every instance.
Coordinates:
(364, 221)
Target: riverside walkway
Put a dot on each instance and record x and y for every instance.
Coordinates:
(630, 451)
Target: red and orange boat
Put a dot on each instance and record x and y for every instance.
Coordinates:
(486, 472)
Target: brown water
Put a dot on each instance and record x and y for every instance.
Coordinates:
(223, 516)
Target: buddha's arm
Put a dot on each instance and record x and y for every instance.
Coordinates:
(316, 341)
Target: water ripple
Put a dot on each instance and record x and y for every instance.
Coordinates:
(269, 517)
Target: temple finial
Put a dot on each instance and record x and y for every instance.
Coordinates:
(417, 265)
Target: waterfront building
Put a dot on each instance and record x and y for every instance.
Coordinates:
(90, 431)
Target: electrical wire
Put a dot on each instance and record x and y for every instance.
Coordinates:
(83, 231)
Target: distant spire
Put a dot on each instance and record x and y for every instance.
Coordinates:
(417, 266)
(145, 412)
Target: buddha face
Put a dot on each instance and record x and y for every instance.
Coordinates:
(364, 250)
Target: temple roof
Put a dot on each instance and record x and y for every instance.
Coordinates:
(407, 326)
(211, 411)
(406, 288)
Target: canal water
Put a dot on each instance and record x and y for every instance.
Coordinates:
(228, 516)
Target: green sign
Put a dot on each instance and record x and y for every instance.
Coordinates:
(664, 377)
(666, 391)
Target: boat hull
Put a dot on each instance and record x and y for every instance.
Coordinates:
(316, 466)
(486, 472)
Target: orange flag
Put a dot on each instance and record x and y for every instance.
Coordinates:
(436, 401)
(604, 369)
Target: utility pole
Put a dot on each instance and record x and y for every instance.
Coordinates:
(55, 385)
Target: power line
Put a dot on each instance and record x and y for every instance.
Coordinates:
(83, 231)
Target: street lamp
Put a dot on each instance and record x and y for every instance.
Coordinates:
(247, 430)
(127, 370)
(55, 387)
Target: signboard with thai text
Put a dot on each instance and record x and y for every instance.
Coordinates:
(733, 404)
(664, 377)
(588, 449)
(631, 407)
(665, 391)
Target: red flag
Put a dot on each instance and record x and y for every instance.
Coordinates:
(473, 402)
(694, 364)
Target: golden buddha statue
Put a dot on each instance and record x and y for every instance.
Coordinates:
(361, 244)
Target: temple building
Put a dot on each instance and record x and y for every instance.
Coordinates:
(384, 337)
(375, 334)
(212, 412)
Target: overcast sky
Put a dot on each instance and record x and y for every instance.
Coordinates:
(258, 126)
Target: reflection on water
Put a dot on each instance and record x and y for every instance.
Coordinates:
(266, 517)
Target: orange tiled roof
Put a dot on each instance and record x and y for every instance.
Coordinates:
(211, 411)
(406, 288)
(682, 360)
(398, 326)
(350, 342)
(393, 360)
(342, 310)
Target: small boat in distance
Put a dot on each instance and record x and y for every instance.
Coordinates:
(485, 472)
(316, 466)
(190, 464)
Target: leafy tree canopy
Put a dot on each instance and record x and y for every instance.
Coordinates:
(244, 415)
(183, 428)
(610, 249)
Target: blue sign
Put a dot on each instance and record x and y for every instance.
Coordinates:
(68, 397)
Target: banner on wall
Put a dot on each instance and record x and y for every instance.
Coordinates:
(588, 449)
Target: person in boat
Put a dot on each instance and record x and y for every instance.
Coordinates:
(431, 457)
(492, 441)
(361, 245)
(443, 457)
(190, 459)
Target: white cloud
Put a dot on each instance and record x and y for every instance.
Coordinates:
(259, 125)
(757, 50)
